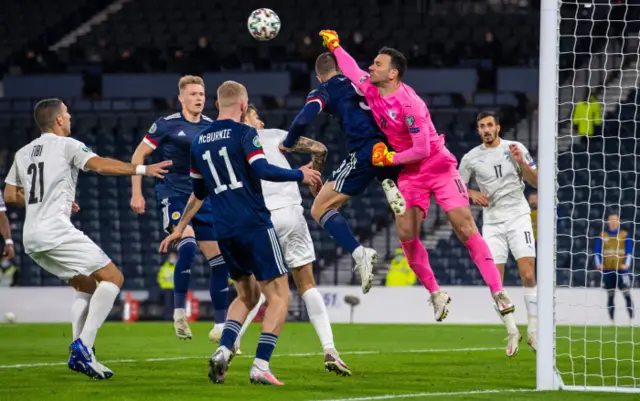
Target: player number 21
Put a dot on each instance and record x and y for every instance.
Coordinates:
(233, 180)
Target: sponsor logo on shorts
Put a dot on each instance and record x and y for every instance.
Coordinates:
(175, 215)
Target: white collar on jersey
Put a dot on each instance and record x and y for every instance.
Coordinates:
(47, 133)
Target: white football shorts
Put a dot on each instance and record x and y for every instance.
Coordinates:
(293, 234)
(77, 255)
(515, 235)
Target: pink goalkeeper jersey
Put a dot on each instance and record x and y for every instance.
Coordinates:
(403, 116)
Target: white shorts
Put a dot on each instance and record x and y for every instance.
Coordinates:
(77, 255)
(293, 234)
(514, 235)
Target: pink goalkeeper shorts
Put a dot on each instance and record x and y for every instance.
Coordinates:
(438, 174)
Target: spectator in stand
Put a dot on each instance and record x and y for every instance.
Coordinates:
(178, 62)
(165, 282)
(308, 51)
(204, 57)
(533, 204)
(400, 274)
(9, 274)
(587, 117)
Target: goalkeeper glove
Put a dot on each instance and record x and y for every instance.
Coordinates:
(380, 156)
(330, 39)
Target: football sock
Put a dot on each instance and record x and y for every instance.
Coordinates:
(229, 334)
(99, 307)
(627, 298)
(266, 345)
(481, 256)
(219, 288)
(611, 303)
(418, 259)
(319, 317)
(531, 302)
(79, 310)
(337, 227)
(182, 273)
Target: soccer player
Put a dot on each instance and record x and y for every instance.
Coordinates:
(227, 164)
(170, 138)
(5, 230)
(284, 201)
(428, 168)
(613, 256)
(43, 179)
(498, 166)
(337, 96)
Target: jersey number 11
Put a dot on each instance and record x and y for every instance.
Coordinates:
(233, 180)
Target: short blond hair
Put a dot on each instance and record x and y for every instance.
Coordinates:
(189, 80)
(230, 93)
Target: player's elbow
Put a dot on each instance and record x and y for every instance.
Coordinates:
(10, 195)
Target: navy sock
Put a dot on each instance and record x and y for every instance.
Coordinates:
(627, 298)
(266, 345)
(337, 227)
(230, 333)
(219, 288)
(182, 272)
(611, 304)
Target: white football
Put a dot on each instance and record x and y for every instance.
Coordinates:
(263, 24)
(10, 317)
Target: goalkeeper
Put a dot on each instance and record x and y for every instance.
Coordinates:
(613, 256)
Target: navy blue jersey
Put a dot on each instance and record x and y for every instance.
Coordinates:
(339, 97)
(221, 155)
(171, 138)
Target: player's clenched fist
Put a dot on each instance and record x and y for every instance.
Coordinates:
(137, 203)
(381, 156)
(311, 177)
(330, 39)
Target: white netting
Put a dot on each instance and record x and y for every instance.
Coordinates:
(598, 174)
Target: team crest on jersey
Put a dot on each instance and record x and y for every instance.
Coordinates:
(409, 120)
(175, 215)
(256, 142)
(153, 128)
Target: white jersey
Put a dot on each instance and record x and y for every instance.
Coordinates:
(499, 177)
(277, 194)
(47, 170)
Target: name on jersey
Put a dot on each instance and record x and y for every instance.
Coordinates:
(37, 151)
(214, 136)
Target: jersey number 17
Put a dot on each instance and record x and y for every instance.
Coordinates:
(233, 179)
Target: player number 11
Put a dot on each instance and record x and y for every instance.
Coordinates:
(233, 180)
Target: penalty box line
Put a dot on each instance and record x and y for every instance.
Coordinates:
(294, 355)
(440, 394)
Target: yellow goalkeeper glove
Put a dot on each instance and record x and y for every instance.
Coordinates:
(330, 39)
(380, 156)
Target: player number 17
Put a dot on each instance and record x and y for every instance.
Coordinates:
(233, 180)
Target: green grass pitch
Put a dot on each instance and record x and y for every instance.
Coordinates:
(395, 362)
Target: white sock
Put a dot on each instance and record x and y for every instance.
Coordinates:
(261, 364)
(510, 323)
(319, 317)
(249, 319)
(358, 252)
(79, 310)
(99, 308)
(179, 313)
(531, 302)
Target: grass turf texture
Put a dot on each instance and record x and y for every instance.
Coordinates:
(388, 361)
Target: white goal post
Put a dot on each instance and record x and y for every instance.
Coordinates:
(595, 355)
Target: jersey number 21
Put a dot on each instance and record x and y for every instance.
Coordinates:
(233, 180)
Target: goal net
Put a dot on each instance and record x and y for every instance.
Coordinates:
(589, 199)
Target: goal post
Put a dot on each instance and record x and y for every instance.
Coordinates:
(546, 373)
(584, 178)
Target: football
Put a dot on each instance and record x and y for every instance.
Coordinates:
(263, 24)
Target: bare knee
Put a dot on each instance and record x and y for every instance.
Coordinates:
(462, 223)
(317, 210)
(527, 272)
(408, 225)
(83, 284)
(109, 273)
(303, 277)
